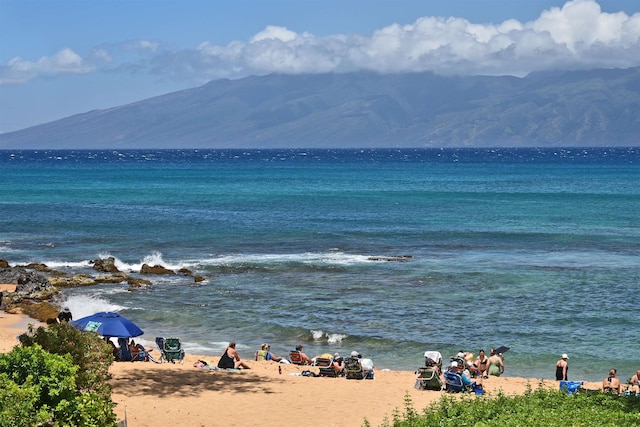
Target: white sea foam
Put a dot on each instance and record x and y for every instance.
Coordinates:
(86, 305)
(335, 338)
(330, 338)
(155, 258)
(66, 264)
(339, 258)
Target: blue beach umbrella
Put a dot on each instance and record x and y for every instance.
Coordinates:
(108, 324)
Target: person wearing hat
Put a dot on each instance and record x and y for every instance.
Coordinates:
(562, 367)
(64, 316)
(338, 364)
(265, 354)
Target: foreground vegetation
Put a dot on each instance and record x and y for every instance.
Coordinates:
(57, 377)
(542, 407)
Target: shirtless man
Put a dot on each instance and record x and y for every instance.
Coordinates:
(305, 359)
(611, 384)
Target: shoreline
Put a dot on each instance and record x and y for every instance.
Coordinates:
(148, 393)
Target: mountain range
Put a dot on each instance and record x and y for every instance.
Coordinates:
(570, 108)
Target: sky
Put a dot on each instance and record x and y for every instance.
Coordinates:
(64, 57)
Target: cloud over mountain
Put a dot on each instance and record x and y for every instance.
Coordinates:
(578, 35)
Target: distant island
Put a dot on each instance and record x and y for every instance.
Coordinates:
(574, 108)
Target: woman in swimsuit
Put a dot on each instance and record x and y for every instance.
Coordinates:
(481, 364)
(562, 367)
(230, 358)
(496, 366)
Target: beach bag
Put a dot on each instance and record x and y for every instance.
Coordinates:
(570, 386)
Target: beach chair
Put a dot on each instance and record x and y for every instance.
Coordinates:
(170, 349)
(354, 371)
(295, 357)
(428, 378)
(453, 382)
(325, 366)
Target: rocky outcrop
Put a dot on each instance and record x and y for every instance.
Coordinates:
(74, 281)
(29, 285)
(155, 269)
(4, 263)
(105, 265)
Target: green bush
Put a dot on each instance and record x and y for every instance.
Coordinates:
(57, 377)
(87, 351)
(542, 407)
(46, 380)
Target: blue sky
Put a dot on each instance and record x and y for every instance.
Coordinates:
(64, 57)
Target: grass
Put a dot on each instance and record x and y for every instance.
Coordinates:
(540, 407)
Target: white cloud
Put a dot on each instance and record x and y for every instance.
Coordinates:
(66, 61)
(576, 35)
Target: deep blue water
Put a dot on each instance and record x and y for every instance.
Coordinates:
(535, 249)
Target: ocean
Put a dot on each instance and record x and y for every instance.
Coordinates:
(389, 252)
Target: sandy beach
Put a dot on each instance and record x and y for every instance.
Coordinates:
(150, 394)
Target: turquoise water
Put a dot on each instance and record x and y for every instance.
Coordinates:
(538, 250)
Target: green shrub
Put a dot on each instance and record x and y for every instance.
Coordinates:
(542, 407)
(46, 380)
(17, 403)
(83, 393)
(87, 351)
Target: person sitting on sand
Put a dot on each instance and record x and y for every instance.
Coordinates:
(231, 359)
(611, 384)
(481, 364)
(562, 367)
(265, 354)
(495, 364)
(635, 380)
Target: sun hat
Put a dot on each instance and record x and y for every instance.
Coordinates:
(354, 354)
(454, 364)
(66, 309)
(564, 356)
(336, 355)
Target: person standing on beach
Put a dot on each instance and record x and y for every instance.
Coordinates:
(562, 367)
(495, 364)
(231, 359)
